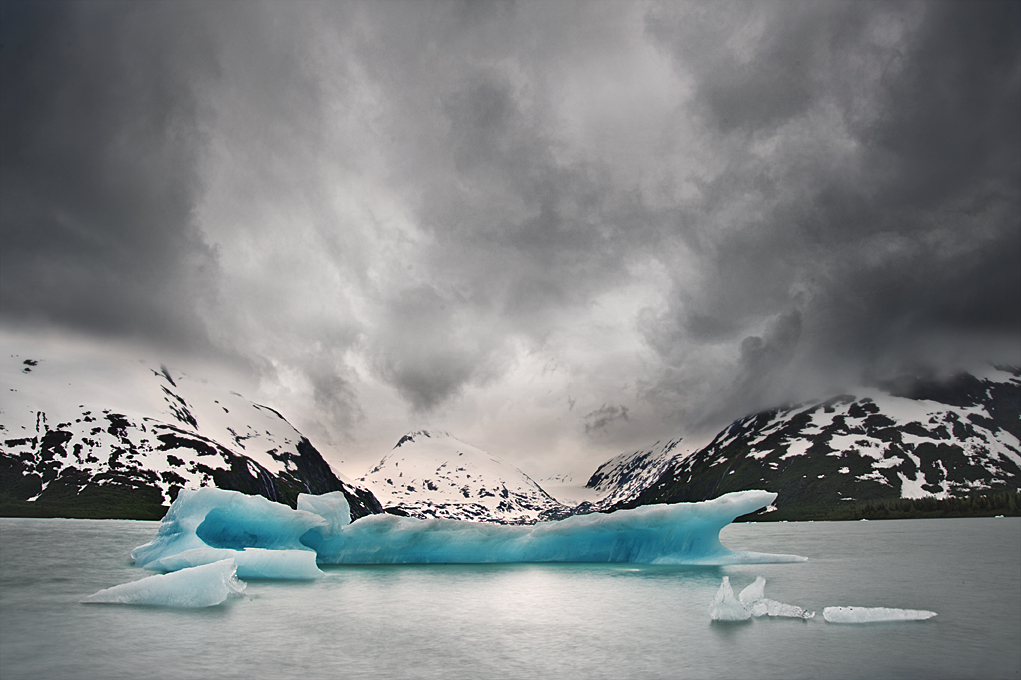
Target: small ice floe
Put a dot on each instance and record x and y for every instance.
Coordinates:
(873, 614)
(753, 598)
(203, 586)
(726, 607)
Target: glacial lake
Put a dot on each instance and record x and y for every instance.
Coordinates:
(529, 620)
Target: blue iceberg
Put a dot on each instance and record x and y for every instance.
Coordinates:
(204, 586)
(217, 518)
(332, 507)
(682, 533)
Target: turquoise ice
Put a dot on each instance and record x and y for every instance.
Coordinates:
(681, 533)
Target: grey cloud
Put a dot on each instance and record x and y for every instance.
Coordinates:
(913, 235)
(333, 393)
(99, 143)
(427, 352)
(604, 416)
(835, 193)
(781, 55)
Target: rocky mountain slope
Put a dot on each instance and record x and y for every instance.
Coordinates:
(624, 477)
(101, 435)
(433, 474)
(910, 438)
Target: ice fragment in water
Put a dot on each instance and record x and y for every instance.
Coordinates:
(251, 562)
(753, 597)
(726, 607)
(873, 614)
(754, 592)
(203, 586)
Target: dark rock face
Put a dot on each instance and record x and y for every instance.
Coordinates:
(627, 475)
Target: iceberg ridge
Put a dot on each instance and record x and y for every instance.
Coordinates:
(681, 533)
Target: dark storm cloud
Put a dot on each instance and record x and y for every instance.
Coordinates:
(666, 214)
(910, 243)
(518, 235)
(98, 145)
(427, 352)
(604, 416)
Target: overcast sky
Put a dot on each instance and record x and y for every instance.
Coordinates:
(558, 230)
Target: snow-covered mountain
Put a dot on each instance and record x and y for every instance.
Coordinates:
(433, 474)
(905, 439)
(624, 477)
(80, 432)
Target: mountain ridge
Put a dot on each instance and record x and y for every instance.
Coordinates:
(444, 477)
(916, 438)
(119, 437)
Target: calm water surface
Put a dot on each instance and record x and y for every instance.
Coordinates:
(527, 620)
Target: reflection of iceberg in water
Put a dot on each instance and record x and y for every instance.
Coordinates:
(682, 533)
(203, 586)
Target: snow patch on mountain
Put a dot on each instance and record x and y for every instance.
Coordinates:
(624, 477)
(71, 418)
(434, 474)
(909, 438)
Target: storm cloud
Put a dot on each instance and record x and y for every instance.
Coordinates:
(479, 215)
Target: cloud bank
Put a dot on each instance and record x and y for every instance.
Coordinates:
(556, 229)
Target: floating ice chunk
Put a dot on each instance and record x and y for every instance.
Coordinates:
(217, 518)
(754, 592)
(681, 533)
(726, 607)
(873, 614)
(251, 562)
(333, 507)
(753, 597)
(767, 607)
(203, 586)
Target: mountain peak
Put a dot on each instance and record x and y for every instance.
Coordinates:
(434, 434)
(82, 429)
(434, 474)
